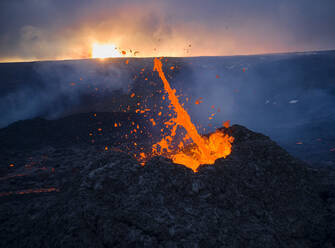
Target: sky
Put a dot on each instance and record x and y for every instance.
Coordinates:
(63, 29)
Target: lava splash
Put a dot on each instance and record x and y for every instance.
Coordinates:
(203, 150)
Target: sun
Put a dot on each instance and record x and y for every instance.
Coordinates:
(104, 51)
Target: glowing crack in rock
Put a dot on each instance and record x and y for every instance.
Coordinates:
(29, 191)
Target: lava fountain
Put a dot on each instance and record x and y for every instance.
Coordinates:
(203, 150)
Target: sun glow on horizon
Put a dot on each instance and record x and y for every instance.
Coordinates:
(102, 51)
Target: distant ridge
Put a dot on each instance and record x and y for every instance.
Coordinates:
(125, 58)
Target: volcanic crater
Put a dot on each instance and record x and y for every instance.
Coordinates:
(113, 178)
(77, 194)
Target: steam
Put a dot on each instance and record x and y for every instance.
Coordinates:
(272, 94)
(264, 93)
(56, 88)
(35, 30)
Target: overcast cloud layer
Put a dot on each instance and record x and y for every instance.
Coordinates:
(62, 29)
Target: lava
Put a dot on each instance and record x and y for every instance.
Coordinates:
(29, 191)
(203, 150)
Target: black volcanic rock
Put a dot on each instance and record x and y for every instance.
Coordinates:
(259, 196)
(75, 129)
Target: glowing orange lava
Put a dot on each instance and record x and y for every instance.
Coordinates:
(204, 150)
(29, 191)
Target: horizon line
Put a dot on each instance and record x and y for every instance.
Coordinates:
(147, 57)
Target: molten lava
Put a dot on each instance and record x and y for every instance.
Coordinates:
(204, 150)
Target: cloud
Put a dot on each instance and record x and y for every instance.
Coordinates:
(66, 29)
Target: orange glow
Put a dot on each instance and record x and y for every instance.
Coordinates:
(29, 191)
(203, 150)
(102, 51)
(198, 101)
(226, 124)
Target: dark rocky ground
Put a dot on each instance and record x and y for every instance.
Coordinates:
(79, 195)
